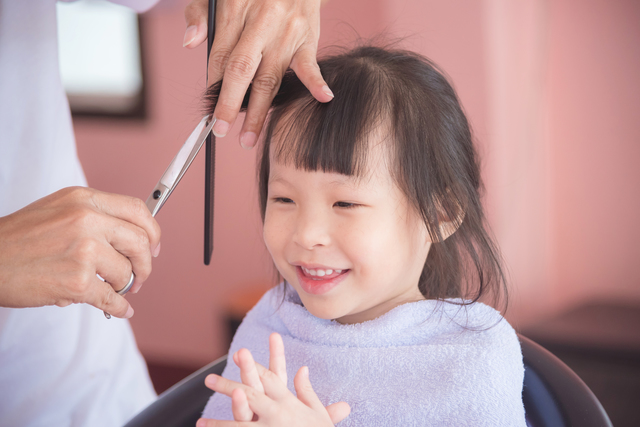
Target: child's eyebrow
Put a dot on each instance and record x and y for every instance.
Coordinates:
(343, 181)
(278, 179)
(347, 181)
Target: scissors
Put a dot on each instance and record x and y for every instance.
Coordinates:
(172, 176)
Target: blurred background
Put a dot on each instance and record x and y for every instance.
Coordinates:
(551, 89)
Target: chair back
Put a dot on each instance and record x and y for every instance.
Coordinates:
(183, 403)
(553, 395)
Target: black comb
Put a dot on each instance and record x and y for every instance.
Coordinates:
(210, 165)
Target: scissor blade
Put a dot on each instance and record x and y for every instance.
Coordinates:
(178, 166)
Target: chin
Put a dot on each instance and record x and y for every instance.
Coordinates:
(322, 312)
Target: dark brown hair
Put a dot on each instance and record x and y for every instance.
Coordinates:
(433, 162)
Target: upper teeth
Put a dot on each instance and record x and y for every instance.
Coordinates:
(319, 272)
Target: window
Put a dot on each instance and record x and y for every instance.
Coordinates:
(100, 58)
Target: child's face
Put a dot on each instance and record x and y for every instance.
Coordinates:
(351, 247)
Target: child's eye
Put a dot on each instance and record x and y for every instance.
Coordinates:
(345, 205)
(282, 200)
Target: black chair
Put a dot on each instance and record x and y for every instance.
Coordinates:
(182, 404)
(553, 395)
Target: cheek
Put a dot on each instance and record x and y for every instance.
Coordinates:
(274, 233)
(269, 233)
(382, 247)
(370, 246)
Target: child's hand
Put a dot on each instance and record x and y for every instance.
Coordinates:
(250, 375)
(264, 398)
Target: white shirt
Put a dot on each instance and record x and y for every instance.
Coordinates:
(58, 366)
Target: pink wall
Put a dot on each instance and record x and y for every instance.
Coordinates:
(561, 192)
(594, 123)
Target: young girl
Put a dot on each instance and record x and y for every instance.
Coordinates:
(372, 216)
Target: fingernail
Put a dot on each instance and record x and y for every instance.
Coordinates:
(201, 423)
(211, 380)
(156, 251)
(136, 288)
(326, 90)
(248, 140)
(220, 128)
(189, 35)
(129, 313)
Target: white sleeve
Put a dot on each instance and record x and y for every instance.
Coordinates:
(137, 5)
(69, 367)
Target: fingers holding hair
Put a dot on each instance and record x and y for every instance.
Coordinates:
(195, 15)
(305, 64)
(255, 43)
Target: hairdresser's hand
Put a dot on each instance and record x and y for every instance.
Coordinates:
(51, 250)
(264, 397)
(255, 42)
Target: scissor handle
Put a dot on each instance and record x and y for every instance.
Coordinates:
(123, 291)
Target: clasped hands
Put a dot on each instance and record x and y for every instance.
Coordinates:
(263, 398)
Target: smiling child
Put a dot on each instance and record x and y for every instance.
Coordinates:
(372, 215)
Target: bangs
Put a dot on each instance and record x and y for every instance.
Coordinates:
(334, 136)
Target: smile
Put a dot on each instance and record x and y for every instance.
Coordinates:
(319, 273)
(318, 281)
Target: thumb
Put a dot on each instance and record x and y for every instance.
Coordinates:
(338, 411)
(106, 299)
(195, 14)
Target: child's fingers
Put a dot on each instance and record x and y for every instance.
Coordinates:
(248, 370)
(258, 401)
(274, 388)
(338, 411)
(240, 406)
(224, 386)
(261, 369)
(305, 391)
(277, 362)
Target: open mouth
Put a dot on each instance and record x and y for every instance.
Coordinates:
(318, 281)
(320, 274)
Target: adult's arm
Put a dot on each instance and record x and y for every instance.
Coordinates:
(51, 250)
(255, 42)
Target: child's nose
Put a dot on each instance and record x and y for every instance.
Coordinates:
(312, 230)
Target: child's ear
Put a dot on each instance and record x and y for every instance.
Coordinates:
(449, 223)
(447, 228)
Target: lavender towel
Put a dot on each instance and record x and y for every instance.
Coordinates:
(414, 366)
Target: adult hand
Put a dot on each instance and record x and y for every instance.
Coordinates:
(255, 42)
(264, 399)
(52, 250)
